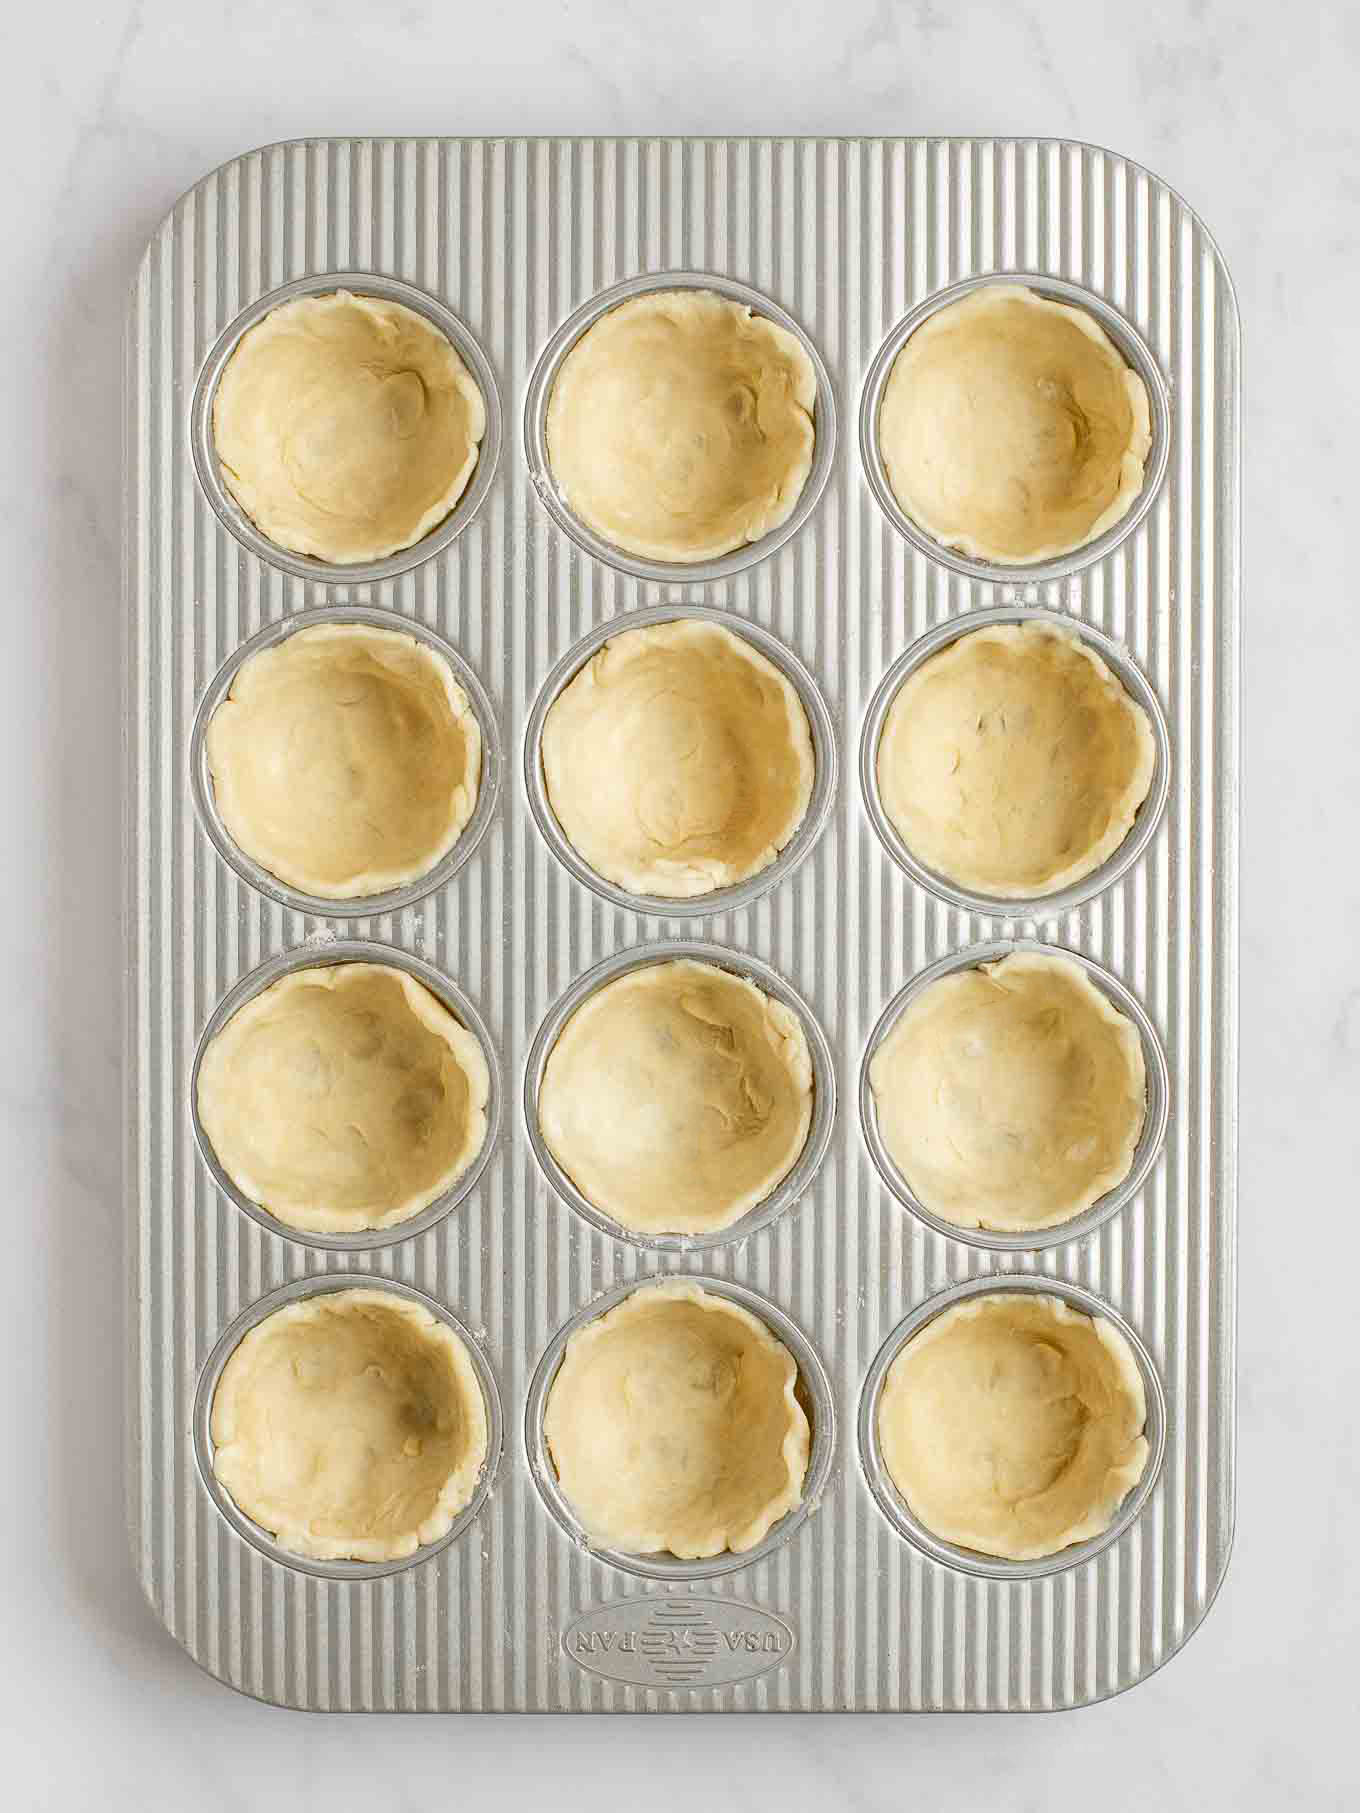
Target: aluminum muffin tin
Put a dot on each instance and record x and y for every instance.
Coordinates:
(512, 247)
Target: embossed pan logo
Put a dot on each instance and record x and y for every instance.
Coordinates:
(675, 1642)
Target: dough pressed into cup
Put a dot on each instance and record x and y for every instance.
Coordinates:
(346, 760)
(351, 1426)
(346, 427)
(1011, 427)
(1011, 1095)
(344, 1098)
(677, 1097)
(678, 760)
(1014, 762)
(680, 425)
(673, 1425)
(1013, 1425)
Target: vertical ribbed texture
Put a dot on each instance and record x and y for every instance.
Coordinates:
(847, 236)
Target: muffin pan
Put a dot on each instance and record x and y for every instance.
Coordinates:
(513, 248)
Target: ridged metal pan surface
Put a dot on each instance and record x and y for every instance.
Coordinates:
(512, 237)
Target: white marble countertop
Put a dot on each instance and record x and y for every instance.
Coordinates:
(111, 111)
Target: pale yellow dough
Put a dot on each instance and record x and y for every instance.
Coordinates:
(678, 760)
(346, 427)
(680, 425)
(350, 1425)
(344, 1098)
(673, 1425)
(677, 1097)
(346, 760)
(1013, 762)
(1011, 427)
(1013, 1425)
(1012, 1095)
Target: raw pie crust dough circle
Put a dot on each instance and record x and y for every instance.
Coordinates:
(1011, 427)
(346, 427)
(344, 1098)
(1013, 1425)
(346, 760)
(678, 760)
(1011, 1096)
(1013, 762)
(673, 1425)
(350, 1425)
(677, 1097)
(680, 425)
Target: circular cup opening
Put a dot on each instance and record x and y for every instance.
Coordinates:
(1149, 1141)
(1146, 820)
(539, 394)
(969, 1561)
(322, 956)
(209, 471)
(1135, 352)
(809, 1160)
(253, 1533)
(814, 1394)
(360, 906)
(721, 900)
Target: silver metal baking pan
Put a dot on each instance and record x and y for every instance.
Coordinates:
(511, 245)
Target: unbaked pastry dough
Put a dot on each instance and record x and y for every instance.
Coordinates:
(1011, 427)
(1011, 1095)
(1014, 762)
(678, 760)
(673, 1425)
(677, 1097)
(680, 425)
(346, 760)
(350, 1425)
(344, 1098)
(346, 427)
(1013, 1425)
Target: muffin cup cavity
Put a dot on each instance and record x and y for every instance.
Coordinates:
(1149, 1140)
(894, 1506)
(721, 900)
(321, 956)
(1131, 346)
(360, 906)
(539, 395)
(208, 467)
(1116, 865)
(750, 969)
(814, 1393)
(210, 1376)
